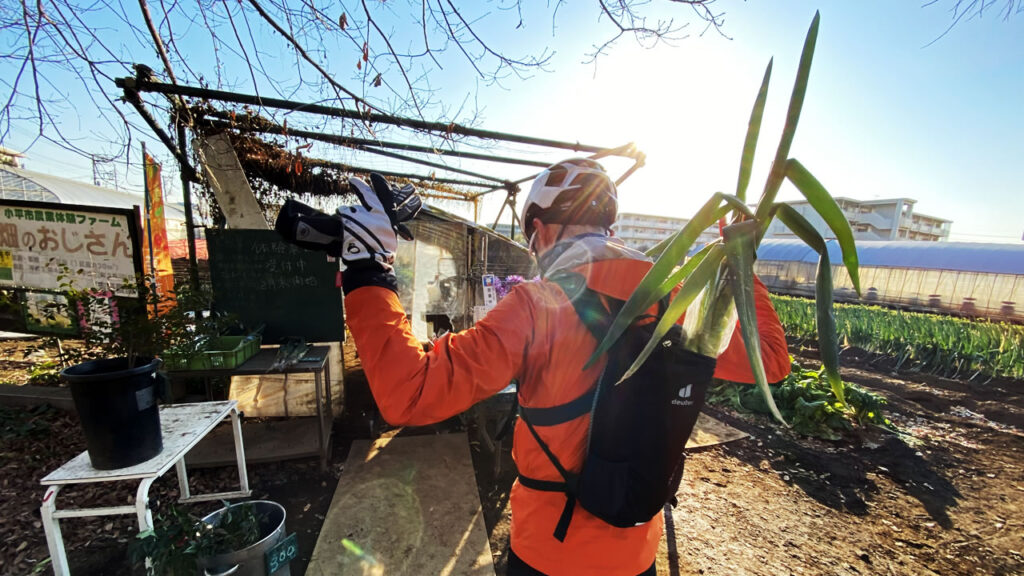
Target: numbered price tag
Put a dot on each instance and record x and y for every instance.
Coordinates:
(281, 554)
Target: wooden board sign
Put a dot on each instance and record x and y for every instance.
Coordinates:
(44, 246)
(48, 249)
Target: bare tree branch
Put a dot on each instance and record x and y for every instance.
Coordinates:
(391, 50)
(156, 41)
(968, 9)
(306, 57)
(53, 52)
(241, 45)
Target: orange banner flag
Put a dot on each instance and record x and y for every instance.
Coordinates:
(158, 254)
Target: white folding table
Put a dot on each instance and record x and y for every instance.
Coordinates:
(182, 427)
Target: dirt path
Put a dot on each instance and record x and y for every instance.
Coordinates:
(944, 497)
(771, 505)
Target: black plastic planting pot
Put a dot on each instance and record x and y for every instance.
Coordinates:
(117, 405)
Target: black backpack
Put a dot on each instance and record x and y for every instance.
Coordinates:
(638, 429)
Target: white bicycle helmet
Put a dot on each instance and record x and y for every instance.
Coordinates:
(574, 191)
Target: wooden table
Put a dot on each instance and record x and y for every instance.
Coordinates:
(262, 363)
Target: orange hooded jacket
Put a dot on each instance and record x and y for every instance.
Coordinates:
(534, 336)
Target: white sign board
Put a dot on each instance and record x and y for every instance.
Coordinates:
(97, 248)
(490, 290)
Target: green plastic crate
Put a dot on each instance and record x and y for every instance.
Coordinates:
(252, 343)
(179, 361)
(231, 351)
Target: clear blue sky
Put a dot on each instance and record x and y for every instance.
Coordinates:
(886, 114)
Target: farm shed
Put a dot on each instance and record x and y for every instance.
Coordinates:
(442, 269)
(959, 278)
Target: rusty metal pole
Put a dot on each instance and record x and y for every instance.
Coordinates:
(190, 227)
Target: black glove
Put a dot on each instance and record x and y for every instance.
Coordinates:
(309, 228)
(364, 237)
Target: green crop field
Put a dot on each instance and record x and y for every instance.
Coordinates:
(954, 347)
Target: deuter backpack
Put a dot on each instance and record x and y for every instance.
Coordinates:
(638, 428)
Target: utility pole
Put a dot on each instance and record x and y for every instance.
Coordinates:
(103, 176)
(186, 192)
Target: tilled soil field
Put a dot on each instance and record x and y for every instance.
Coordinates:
(943, 496)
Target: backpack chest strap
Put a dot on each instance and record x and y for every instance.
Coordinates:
(554, 415)
(562, 528)
(568, 487)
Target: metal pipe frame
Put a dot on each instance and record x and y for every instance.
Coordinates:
(139, 84)
(317, 162)
(132, 86)
(272, 128)
(364, 148)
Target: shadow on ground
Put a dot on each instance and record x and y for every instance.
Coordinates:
(837, 475)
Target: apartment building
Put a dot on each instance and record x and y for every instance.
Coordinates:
(888, 219)
(644, 231)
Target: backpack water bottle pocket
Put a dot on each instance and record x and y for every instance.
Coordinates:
(603, 491)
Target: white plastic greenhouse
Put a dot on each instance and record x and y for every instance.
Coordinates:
(961, 278)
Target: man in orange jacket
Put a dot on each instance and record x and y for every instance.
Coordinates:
(534, 336)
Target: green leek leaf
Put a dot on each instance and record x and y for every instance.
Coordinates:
(753, 130)
(684, 271)
(651, 288)
(699, 278)
(739, 253)
(828, 338)
(799, 225)
(830, 212)
(796, 103)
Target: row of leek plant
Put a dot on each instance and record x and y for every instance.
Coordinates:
(717, 282)
(953, 347)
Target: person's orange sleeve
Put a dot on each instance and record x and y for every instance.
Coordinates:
(733, 364)
(415, 388)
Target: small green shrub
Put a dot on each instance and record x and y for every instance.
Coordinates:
(808, 403)
(179, 539)
(19, 422)
(46, 373)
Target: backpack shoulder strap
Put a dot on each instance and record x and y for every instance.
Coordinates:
(594, 316)
(568, 487)
(588, 304)
(590, 307)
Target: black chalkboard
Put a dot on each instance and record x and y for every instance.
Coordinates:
(262, 280)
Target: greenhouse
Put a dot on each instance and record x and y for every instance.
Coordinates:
(20, 184)
(959, 278)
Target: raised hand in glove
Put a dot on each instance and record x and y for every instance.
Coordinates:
(363, 236)
(369, 238)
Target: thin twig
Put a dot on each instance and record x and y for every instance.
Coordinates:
(302, 52)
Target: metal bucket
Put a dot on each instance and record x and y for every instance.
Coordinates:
(248, 561)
